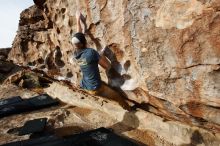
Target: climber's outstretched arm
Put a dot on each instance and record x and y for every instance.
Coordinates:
(81, 20)
(104, 62)
(78, 21)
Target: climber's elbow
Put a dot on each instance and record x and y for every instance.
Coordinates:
(104, 62)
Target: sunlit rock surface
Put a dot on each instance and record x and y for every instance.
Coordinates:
(84, 112)
(167, 53)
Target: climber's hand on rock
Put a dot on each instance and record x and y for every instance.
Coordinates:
(83, 18)
(114, 78)
(78, 15)
(112, 73)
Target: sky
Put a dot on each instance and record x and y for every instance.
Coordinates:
(9, 17)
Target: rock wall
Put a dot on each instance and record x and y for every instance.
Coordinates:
(4, 53)
(166, 52)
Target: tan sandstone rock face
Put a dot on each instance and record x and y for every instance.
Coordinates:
(167, 52)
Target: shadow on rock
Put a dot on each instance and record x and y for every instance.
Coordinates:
(130, 122)
(196, 139)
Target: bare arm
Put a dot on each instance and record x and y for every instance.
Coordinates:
(110, 71)
(78, 22)
(104, 62)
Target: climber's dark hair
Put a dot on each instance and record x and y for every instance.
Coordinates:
(81, 37)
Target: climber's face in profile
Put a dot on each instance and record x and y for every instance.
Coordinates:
(79, 45)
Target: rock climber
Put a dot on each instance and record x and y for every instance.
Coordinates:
(88, 59)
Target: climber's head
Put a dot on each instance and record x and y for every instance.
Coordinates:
(79, 40)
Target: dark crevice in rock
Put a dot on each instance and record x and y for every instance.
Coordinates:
(58, 57)
(4, 53)
(31, 63)
(32, 20)
(63, 10)
(39, 3)
(71, 20)
(197, 65)
(24, 45)
(196, 138)
(32, 80)
(40, 61)
(49, 61)
(69, 75)
(58, 30)
(127, 65)
(50, 24)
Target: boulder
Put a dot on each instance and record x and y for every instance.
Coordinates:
(165, 53)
